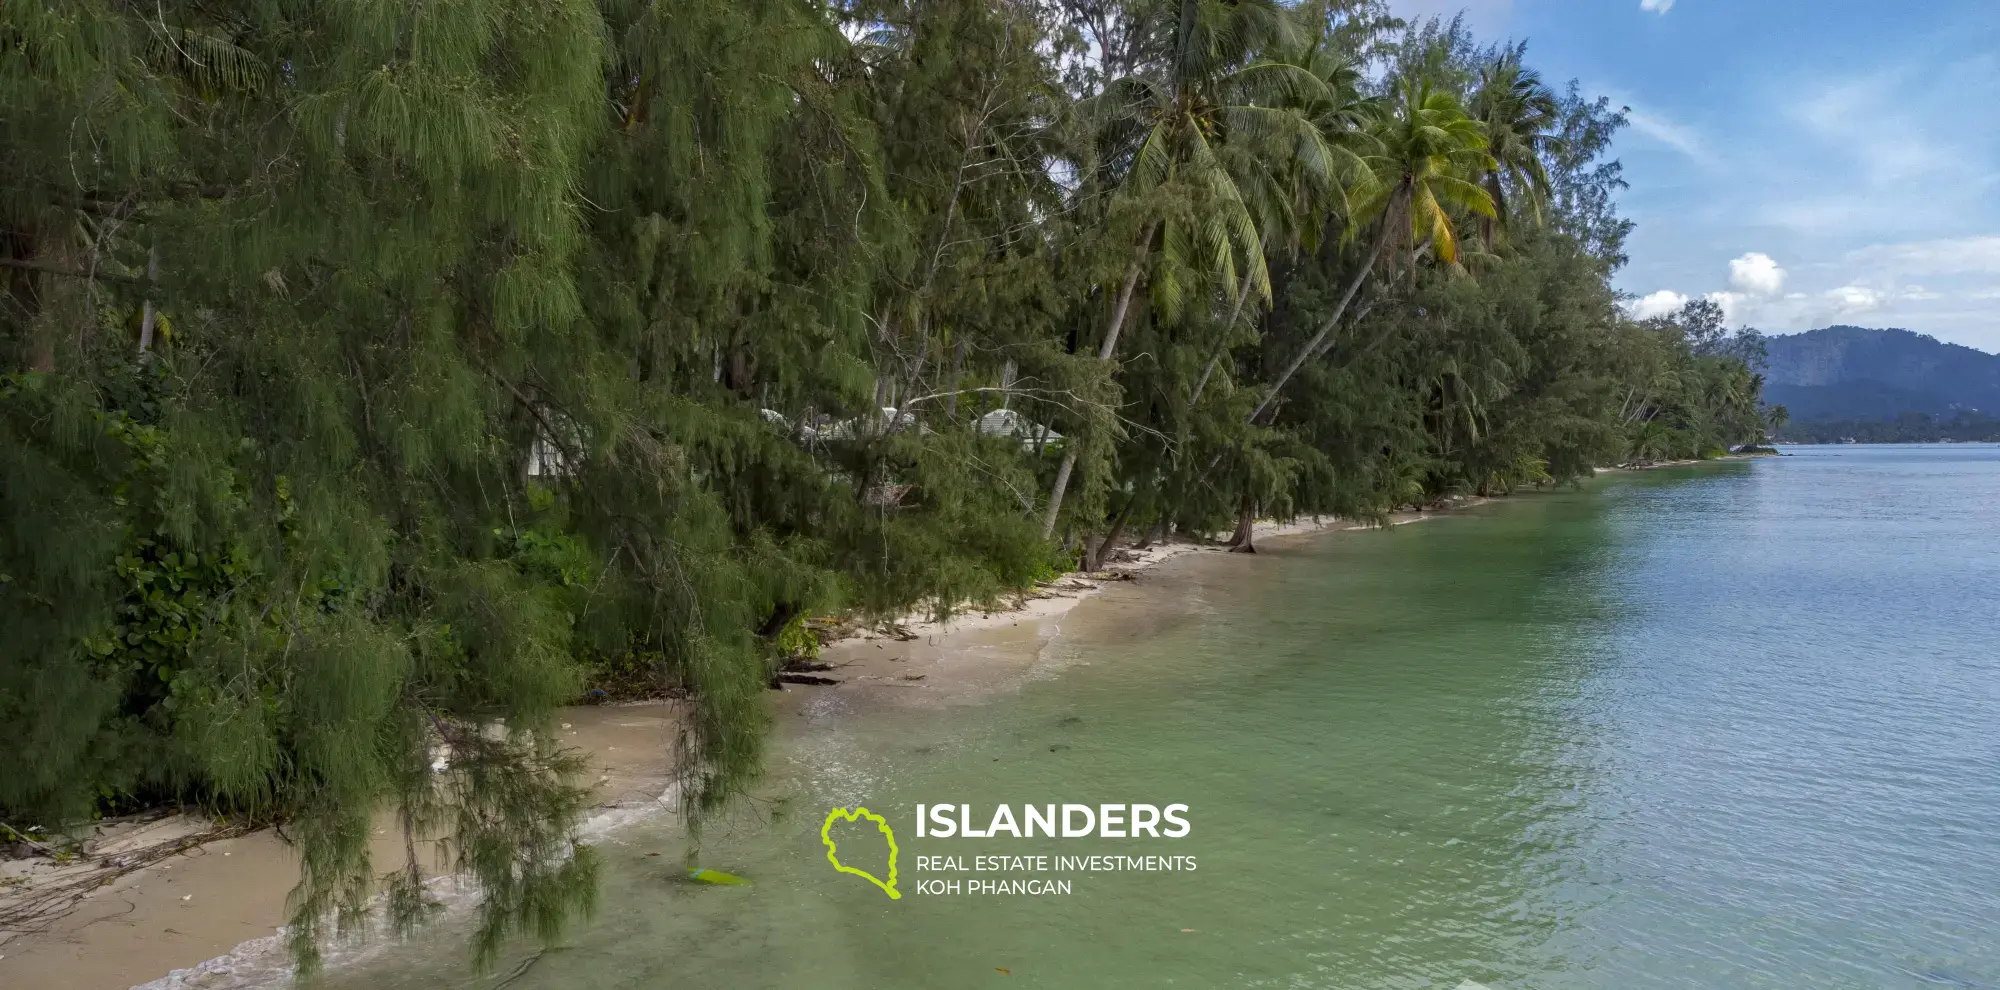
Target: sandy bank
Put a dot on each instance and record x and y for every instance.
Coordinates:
(209, 913)
(203, 901)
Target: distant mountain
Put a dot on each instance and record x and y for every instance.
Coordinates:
(1853, 373)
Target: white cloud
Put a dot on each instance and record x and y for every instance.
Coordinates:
(1850, 299)
(1658, 304)
(1757, 273)
(1757, 280)
(1736, 306)
(1916, 283)
(1657, 6)
(1944, 256)
(1677, 136)
(1863, 142)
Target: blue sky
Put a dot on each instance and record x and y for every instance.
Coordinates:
(1805, 163)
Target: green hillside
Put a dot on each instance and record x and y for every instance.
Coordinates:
(1852, 373)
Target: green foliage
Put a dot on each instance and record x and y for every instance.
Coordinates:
(1965, 427)
(378, 379)
(1692, 393)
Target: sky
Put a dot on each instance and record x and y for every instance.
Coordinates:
(1803, 163)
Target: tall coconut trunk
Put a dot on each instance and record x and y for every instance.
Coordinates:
(1242, 295)
(1104, 353)
(1318, 341)
(1498, 194)
(1333, 319)
(1056, 491)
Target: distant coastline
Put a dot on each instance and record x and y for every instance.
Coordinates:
(1879, 443)
(1845, 384)
(1966, 427)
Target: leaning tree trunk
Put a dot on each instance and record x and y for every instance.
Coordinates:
(1312, 346)
(1244, 539)
(1154, 535)
(1056, 491)
(1104, 353)
(1242, 295)
(1117, 529)
(1333, 320)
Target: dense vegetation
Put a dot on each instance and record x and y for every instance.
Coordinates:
(1906, 428)
(375, 375)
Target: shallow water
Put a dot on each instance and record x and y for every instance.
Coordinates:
(1735, 725)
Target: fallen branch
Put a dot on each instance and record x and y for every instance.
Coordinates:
(37, 909)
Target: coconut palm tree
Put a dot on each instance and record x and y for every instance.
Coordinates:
(1519, 114)
(1297, 195)
(1430, 151)
(1168, 137)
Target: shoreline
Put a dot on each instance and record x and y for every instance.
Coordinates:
(1687, 462)
(212, 912)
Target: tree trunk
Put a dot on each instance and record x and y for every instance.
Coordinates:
(1153, 535)
(1333, 320)
(781, 616)
(1318, 342)
(1110, 345)
(1056, 490)
(148, 316)
(1117, 530)
(1499, 196)
(1244, 539)
(1644, 401)
(957, 369)
(1242, 295)
(1104, 353)
(915, 370)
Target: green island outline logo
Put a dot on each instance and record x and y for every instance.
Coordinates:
(833, 854)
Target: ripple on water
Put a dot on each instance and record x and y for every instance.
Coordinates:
(1728, 726)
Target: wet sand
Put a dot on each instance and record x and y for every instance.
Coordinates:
(217, 909)
(209, 900)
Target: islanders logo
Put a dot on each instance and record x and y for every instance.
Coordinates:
(833, 853)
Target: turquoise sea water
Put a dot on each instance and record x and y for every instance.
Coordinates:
(1734, 725)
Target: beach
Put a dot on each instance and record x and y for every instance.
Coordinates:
(221, 904)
